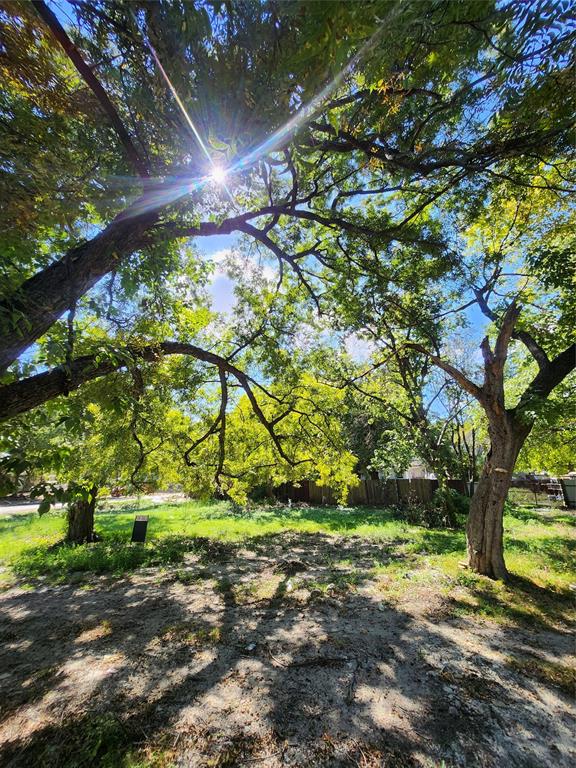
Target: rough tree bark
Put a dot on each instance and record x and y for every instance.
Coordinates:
(81, 519)
(485, 528)
(507, 428)
(42, 299)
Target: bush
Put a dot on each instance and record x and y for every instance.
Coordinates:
(448, 509)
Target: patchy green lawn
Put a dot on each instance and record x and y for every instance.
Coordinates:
(22, 534)
(540, 544)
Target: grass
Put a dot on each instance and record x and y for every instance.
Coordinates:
(213, 519)
(540, 549)
(98, 739)
(550, 673)
(29, 544)
(188, 633)
(539, 553)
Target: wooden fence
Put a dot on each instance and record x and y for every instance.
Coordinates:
(369, 491)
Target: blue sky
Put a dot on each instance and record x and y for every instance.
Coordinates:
(221, 288)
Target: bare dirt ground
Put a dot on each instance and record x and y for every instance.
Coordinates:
(277, 655)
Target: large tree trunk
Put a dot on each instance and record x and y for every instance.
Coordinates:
(485, 529)
(81, 519)
(508, 429)
(41, 300)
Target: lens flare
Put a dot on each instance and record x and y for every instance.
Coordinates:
(219, 174)
(170, 190)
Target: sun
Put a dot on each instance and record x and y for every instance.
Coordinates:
(218, 174)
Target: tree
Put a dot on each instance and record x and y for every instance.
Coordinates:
(104, 436)
(350, 157)
(400, 379)
(535, 308)
(134, 430)
(520, 191)
(348, 129)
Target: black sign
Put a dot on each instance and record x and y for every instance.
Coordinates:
(139, 530)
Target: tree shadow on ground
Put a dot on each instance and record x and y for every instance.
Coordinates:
(519, 603)
(441, 542)
(210, 670)
(559, 549)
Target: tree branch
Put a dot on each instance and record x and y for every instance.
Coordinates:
(505, 333)
(94, 84)
(525, 337)
(26, 394)
(548, 378)
(456, 374)
(38, 303)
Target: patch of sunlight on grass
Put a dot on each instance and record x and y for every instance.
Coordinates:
(218, 520)
(539, 548)
(259, 589)
(520, 601)
(19, 532)
(100, 739)
(539, 554)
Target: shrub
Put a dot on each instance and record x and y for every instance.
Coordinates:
(448, 509)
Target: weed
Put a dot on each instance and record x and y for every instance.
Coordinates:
(191, 634)
(109, 556)
(547, 672)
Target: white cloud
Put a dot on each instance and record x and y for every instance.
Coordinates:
(359, 349)
(226, 261)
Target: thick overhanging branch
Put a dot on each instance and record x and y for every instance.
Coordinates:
(38, 303)
(333, 222)
(94, 84)
(26, 394)
(42, 299)
(548, 378)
